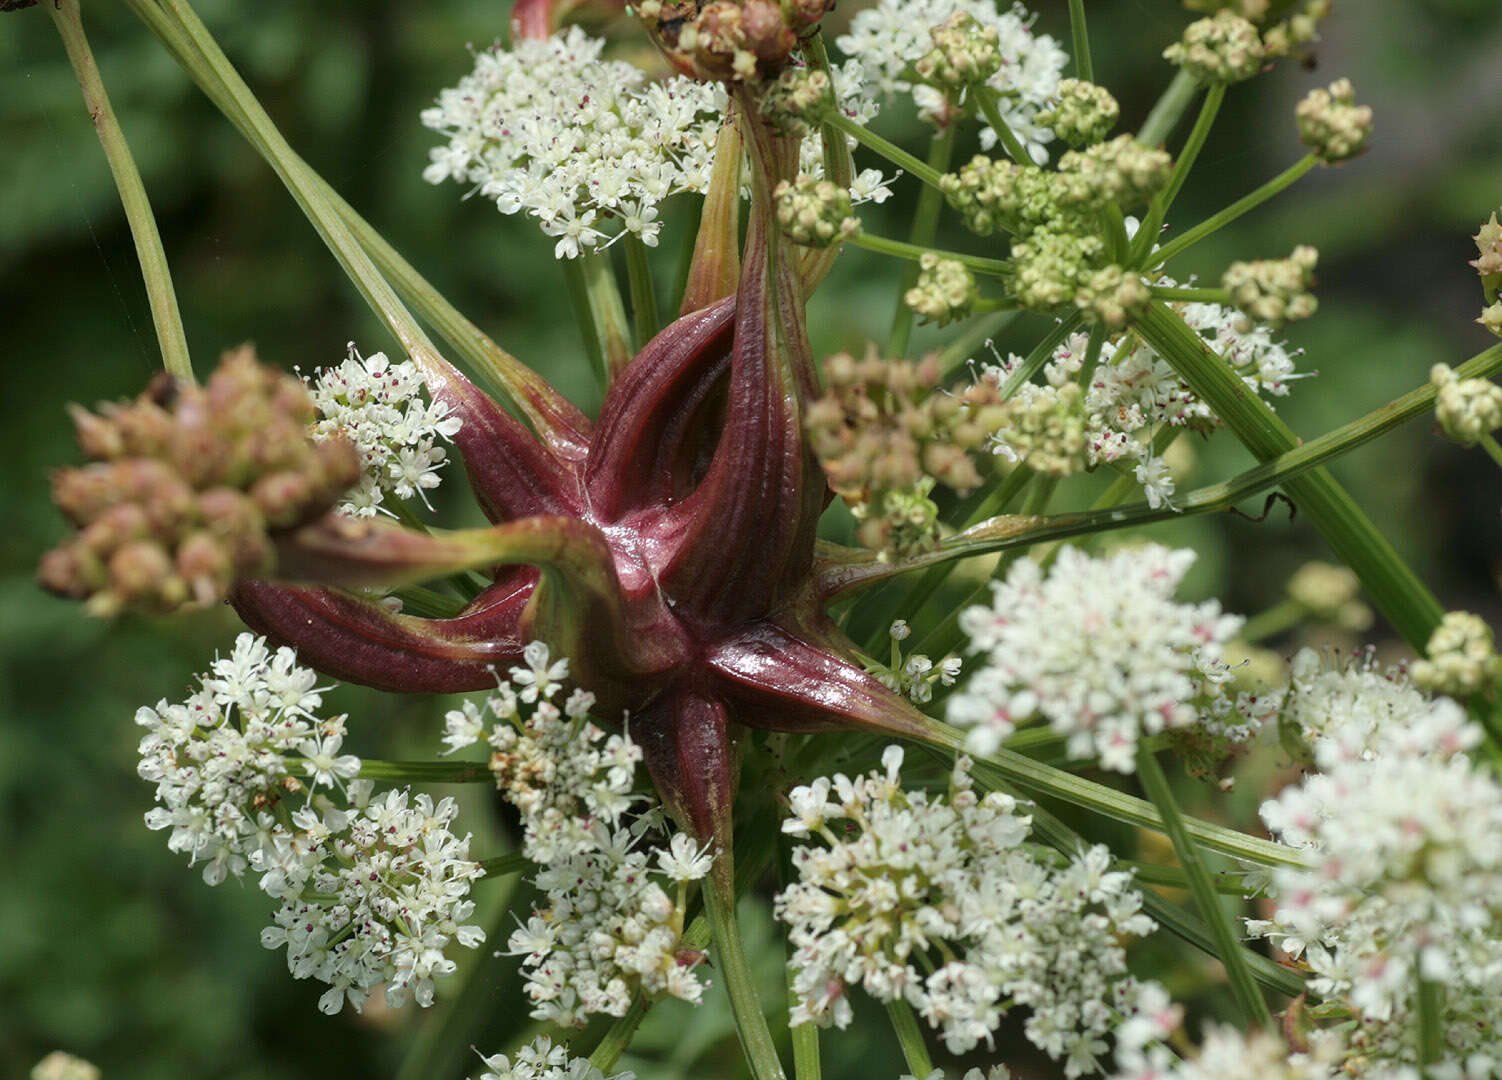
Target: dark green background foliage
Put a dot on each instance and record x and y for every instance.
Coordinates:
(109, 946)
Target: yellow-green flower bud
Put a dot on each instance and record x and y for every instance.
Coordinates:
(1461, 657)
(1329, 593)
(1491, 318)
(1332, 124)
(1225, 48)
(945, 290)
(964, 53)
(1122, 171)
(1274, 291)
(813, 212)
(1084, 112)
(1113, 295)
(1466, 409)
(1052, 265)
(797, 99)
(1488, 261)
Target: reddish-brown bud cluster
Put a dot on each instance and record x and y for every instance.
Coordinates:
(884, 426)
(185, 486)
(731, 39)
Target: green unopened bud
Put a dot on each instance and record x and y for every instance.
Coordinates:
(1113, 295)
(1274, 291)
(1491, 318)
(1488, 261)
(906, 522)
(1466, 409)
(1225, 48)
(1084, 114)
(945, 290)
(1122, 171)
(813, 212)
(1332, 124)
(797, 99)
(1046, 429)
(1329, 593)
(964, 53)
(996, 194)
(1052, 265)
(1461, 657)
(1296, 31)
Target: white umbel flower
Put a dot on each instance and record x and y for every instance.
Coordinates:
(1100, 649)
(1228, 1054)
(890, 38)
(541, 1060)
(937, 901)
(589, 147)
(378, 406)
(1405, 882)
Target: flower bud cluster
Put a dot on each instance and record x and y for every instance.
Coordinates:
(1466, 409)
(1460, 657)
(1488, 261)
(1122, 171)
(882, 429)
(238, 768)
(58, 1065)
(186, 484)
(965, 53)
(541, 1060)
(1295, 30)
(996, 194)
(1113, 296)
(1100, 650)
(945, 290)
(814, 212)
(1083, 113)
(724, 39)
(1274, 291)
(1332, 124)
(936, 899)
(1400, 828)
(1053, 265)
(378, 406)
(1225, 48)
(1046, 429)
(608, 927)
(1330, 594)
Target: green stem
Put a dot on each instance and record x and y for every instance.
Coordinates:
(1402, 597)
(1174, 877)
(1493, 450)
(1227, 941)
(578, 295)
(1243, 205)
(609, 311)
(505, 865)
(839, 168)
(643, 292)
(735, 971)
(1041, 354)
(1169, 109)
(1431, 1027)
(887, 149)
(1282, 616)
(426, 772)
(987, 99)
(1082, 65)
(165, 315)
(1190, 296)
(1161, 203)
(910, 1038)
(904, 250)
(925, 225)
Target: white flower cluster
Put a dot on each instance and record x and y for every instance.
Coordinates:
(589, 147)
(890, 38)
(914, 677)
(608, 928)
(1134, 393)
(1228, 1054)
(907, 883)
(995, 1072)
(541, 1060)
(1099, 649)
(391, 882)
(379, 407)
(1405, 832)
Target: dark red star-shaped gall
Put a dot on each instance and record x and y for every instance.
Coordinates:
(668, 549)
